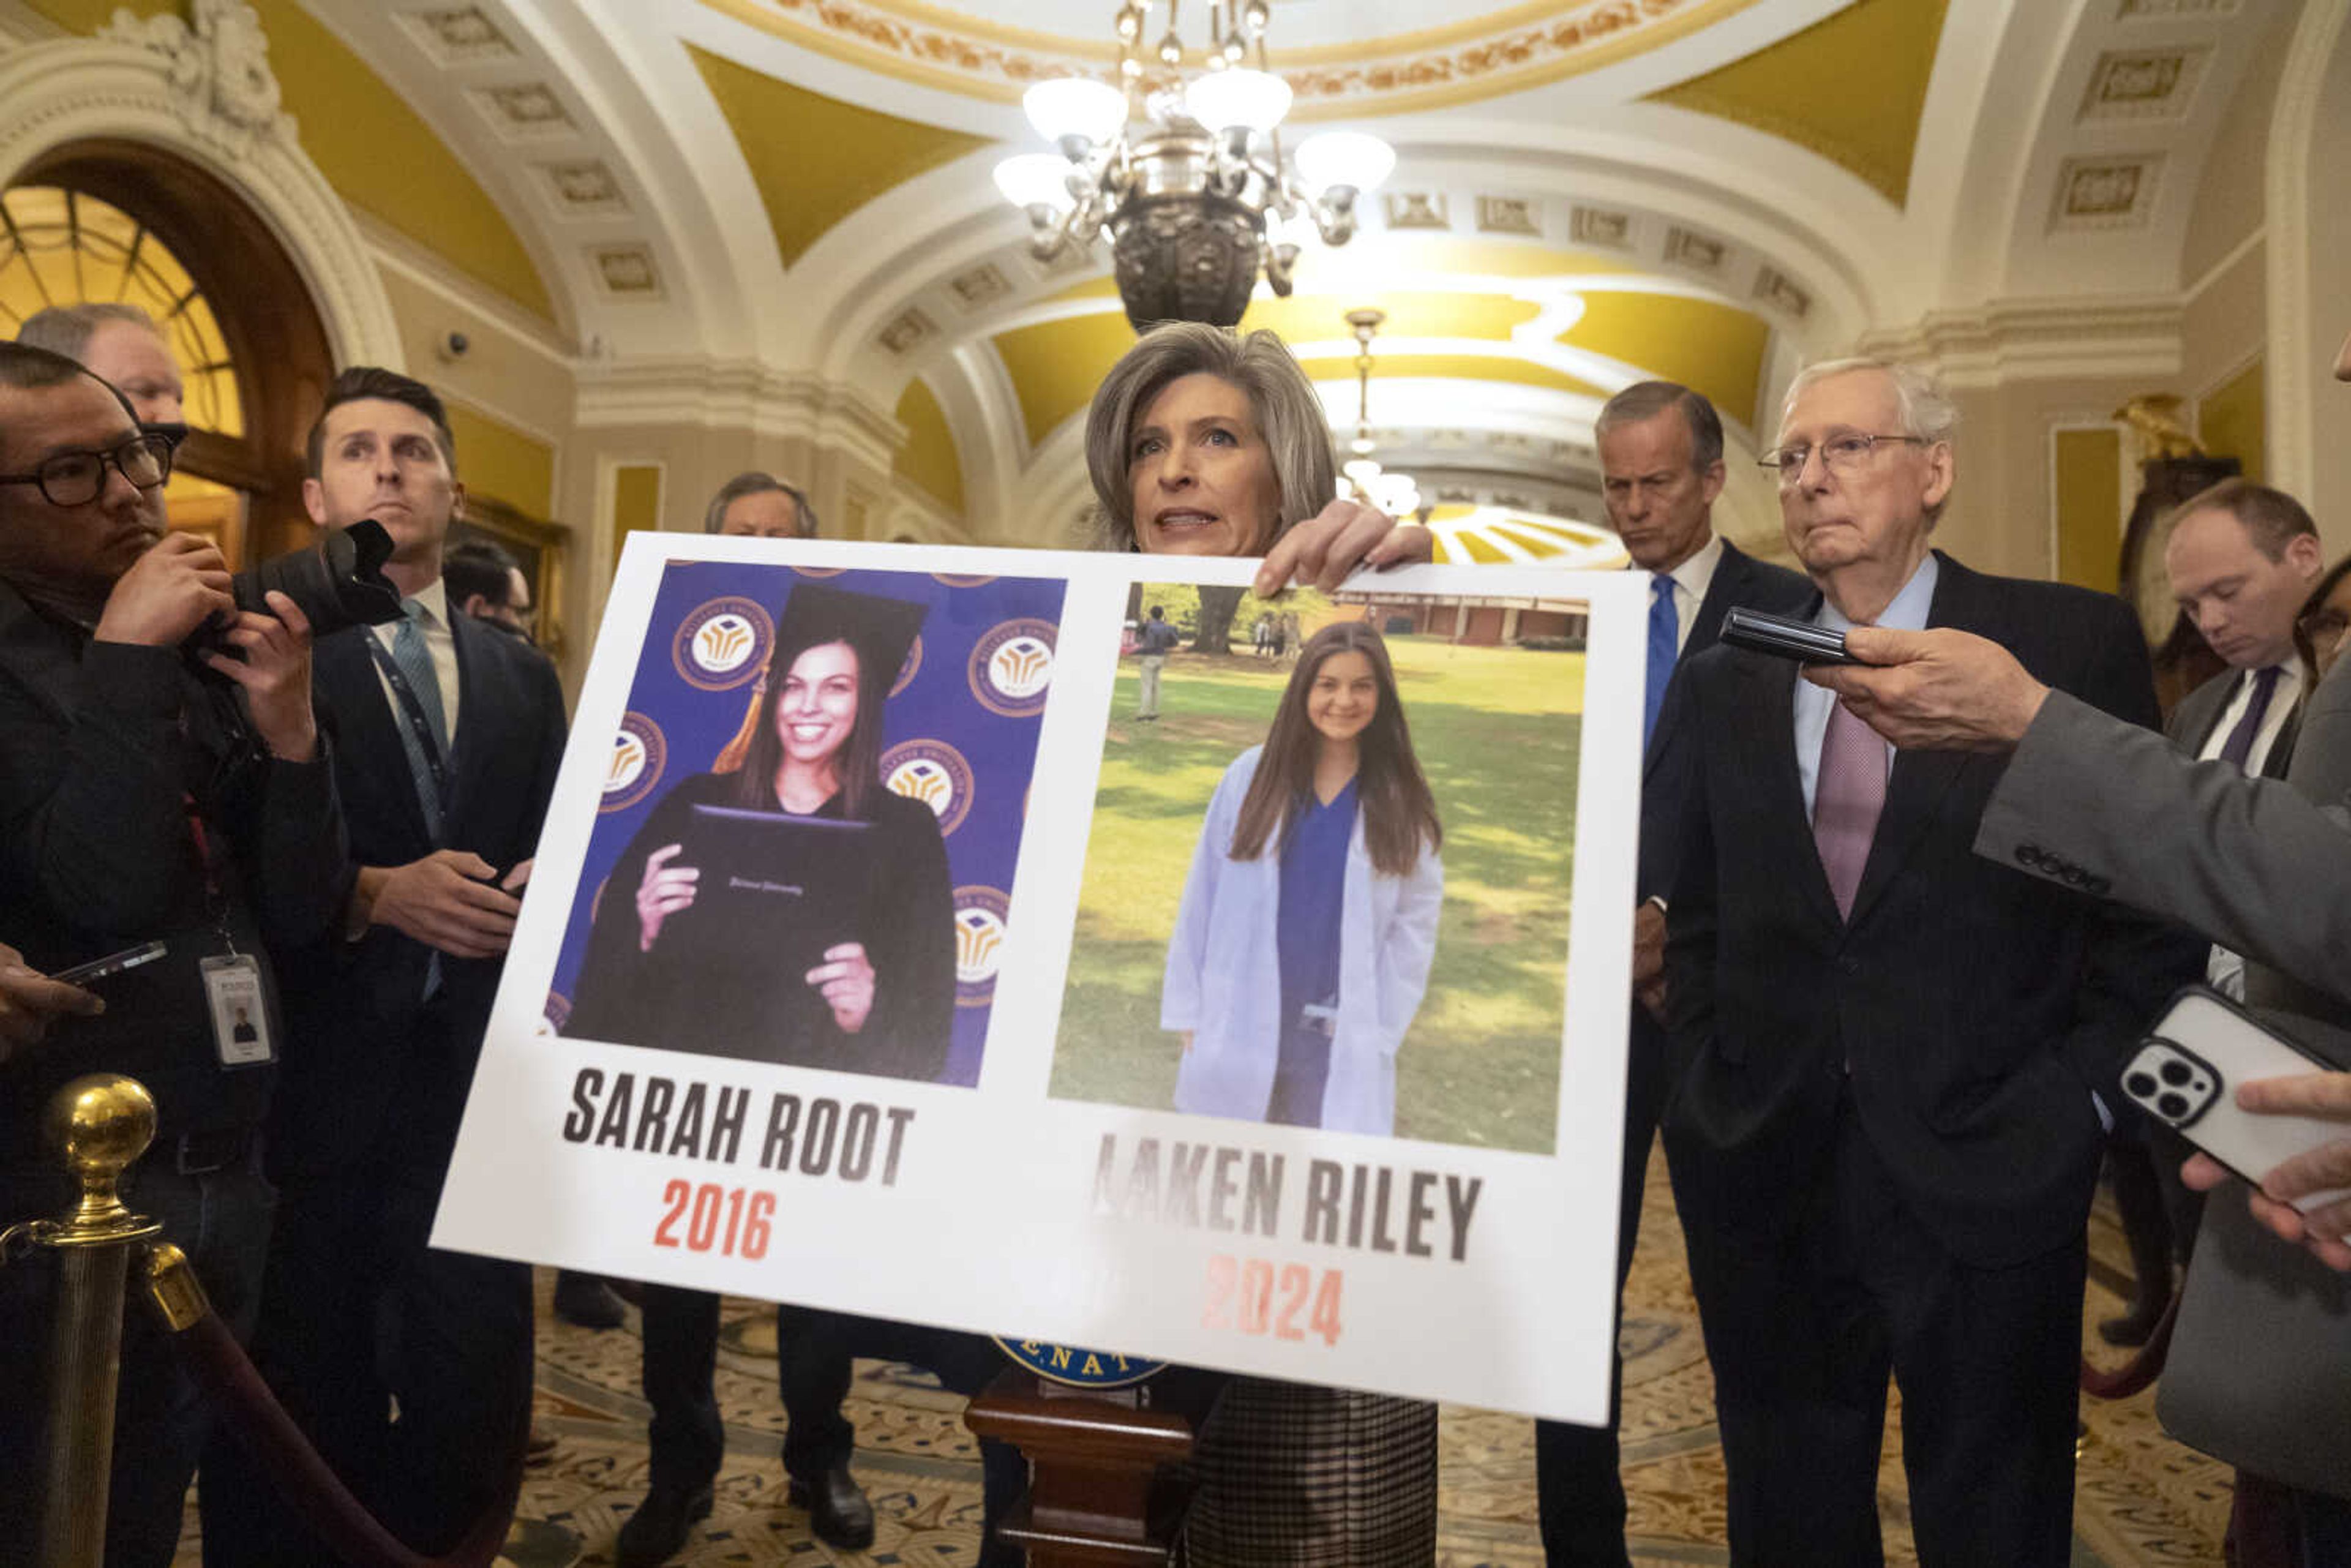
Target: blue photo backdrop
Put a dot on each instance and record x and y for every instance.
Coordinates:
(959, 733)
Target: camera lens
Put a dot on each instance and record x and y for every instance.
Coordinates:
(2140, 1085)
(2176, 1073)
(2173, 1105)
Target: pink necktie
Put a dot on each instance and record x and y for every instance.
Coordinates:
(1846, 799)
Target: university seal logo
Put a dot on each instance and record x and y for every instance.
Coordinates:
(723, 643)
(1079, 1368)
(934, 773)
(979, 943)
(906, 671)
(639, 753)
(1012, 668)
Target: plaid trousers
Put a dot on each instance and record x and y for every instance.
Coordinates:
(1299, 1477)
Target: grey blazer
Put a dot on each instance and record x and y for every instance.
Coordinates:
(2254, 863)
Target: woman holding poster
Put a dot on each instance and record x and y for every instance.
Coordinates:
(792, 909)
(1200, 441)
(1309, 921)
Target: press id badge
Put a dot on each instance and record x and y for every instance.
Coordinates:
(240, 1016)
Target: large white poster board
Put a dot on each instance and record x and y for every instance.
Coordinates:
(969, 1116)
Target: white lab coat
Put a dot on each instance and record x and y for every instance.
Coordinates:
(1224, 973)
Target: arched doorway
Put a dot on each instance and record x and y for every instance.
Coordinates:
(127, 221)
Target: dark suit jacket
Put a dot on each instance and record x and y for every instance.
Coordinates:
(373, 1083)
(2192, 721)
(1738, 580)
(1973, 1009)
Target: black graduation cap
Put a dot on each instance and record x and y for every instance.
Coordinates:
(881, 629)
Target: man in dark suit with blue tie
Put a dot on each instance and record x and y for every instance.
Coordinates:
(447, 734)
(1884, 1137)
(1662, 470)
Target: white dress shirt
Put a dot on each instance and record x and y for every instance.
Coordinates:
(1907, 614)
(439, 642)
(2282, 696)
(1690, 581)
(2224, 970)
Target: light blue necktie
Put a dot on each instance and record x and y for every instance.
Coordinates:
(414, 661)
(1665, 636)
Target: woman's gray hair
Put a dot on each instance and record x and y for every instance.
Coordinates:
(1288, 415)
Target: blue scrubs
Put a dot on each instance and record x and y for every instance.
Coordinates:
(1313, 888)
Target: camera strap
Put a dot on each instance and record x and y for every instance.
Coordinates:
(420, 728)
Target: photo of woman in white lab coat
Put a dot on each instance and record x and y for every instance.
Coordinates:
(1308, 925)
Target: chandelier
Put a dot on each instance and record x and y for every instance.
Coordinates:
(1182, 164)
(1395, 493)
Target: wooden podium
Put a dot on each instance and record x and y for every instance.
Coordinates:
(1104, 1485)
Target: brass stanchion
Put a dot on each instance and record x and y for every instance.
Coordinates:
(98, 1125)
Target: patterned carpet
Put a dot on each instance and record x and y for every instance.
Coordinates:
(2140, 1500)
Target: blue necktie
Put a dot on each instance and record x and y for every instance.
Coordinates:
(1665, 636)
(2238, 750)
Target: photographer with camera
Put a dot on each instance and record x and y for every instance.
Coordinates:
(150, 796)
(447, 736)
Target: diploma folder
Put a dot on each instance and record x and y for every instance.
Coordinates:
(776, 891)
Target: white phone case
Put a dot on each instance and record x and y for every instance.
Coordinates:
(2187, 1073)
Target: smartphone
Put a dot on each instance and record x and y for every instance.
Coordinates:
(112, 964)
(2186, 1074)
(1785, 638)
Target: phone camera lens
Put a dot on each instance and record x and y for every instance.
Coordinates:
(2174, 1107)
(2176, 1073)
(2140, 1085)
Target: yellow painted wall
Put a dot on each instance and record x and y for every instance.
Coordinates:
(2232, 419)
(929, 461)
(1056, 365)
(2089, 507)
(498, 461)
(636, 501)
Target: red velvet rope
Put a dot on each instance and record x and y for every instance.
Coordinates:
(212, 1357)
(2140, 1371)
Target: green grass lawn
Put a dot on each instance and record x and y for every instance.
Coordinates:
(1497, 730)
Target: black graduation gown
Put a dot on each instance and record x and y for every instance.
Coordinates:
(710, 992)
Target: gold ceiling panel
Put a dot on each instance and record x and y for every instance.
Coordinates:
(1056, 365)
(1850, 87)
(929, 461)
(1716, 349)
(815, 159)
(1504, 367)
(376, 152)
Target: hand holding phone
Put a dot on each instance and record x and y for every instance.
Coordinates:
(2186, 1074)
(1784, 637)
(29, 1001)
(112, 964)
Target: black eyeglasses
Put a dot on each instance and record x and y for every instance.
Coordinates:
(1839, 455)
(75, 478)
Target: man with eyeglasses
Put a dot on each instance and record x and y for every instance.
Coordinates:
(150, 792)
(1884, 1141)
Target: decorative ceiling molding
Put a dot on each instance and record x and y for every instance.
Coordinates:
(737, 394)
(2033, 339)
(1510, 50)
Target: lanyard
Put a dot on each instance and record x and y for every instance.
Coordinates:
(412, 711)
(215, 893)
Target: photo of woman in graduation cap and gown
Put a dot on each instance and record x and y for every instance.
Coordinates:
(792, 908)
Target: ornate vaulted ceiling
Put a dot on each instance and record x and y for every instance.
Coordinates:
(1588, 192)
